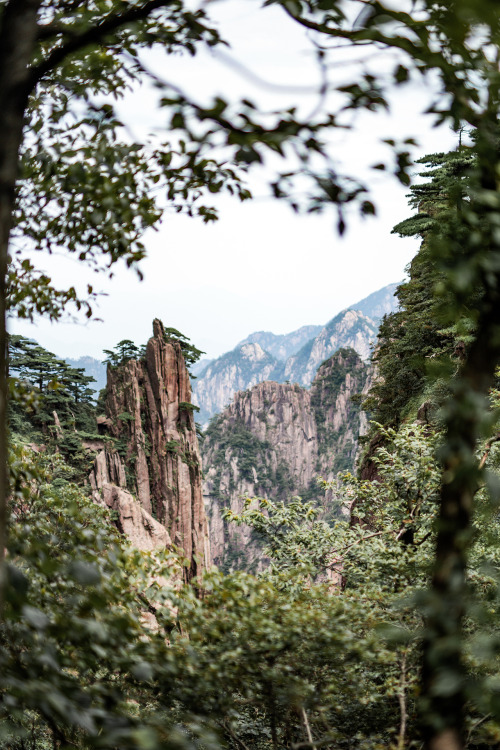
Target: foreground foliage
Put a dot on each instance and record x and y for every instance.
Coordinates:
(322, 650)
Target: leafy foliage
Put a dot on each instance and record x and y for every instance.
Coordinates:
(69, 56)
(190, 353)
(383, 564)
(61, 685)
(416, 336)
(123, 351)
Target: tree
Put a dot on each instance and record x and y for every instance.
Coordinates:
(459, 43)
(76, 655)
(415, 339)
(55, 385)
(379, 567)
(124, 350)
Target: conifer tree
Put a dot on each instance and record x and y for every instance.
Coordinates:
(415, 336)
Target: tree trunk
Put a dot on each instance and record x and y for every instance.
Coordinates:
(444, 674)
(18, 34)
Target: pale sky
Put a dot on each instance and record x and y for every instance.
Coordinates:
(260, 267)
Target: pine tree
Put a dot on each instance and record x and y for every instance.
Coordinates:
(59, 388)
(418, 334)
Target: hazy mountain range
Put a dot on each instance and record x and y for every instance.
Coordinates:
(293, 357)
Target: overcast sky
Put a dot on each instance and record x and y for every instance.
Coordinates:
(260, 267)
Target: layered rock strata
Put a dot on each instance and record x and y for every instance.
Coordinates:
(150, 416)
(275, 440)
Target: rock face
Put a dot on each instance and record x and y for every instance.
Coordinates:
(108, 483)
(293, 357)
(150, 416)
(274, 440)
(348, 329)
(240, 369)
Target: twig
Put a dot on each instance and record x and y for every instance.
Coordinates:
(308, 729)
(338, 553)
(234, 736)
(488, 447)
(402, 704)
(476, 725)
(94, 35)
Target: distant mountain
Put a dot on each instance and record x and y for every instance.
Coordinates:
(378, 304)
(263, 355)
(93, 367)
(349, 329)
(274, 440)
(237, 370)
(293, 357)
(282, 346)
(199, 366)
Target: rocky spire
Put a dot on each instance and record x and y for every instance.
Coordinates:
(150, 415)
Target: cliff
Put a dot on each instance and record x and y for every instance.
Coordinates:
(239, 369)
(349, 329)
(282, 346)
(150, 416)
(274, 440)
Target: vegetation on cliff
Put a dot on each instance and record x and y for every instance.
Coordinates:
(419, 337)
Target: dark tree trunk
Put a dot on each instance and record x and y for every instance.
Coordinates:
(444, 674)
(18, 33)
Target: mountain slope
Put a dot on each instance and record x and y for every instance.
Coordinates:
(349, 329)
(379, 303)
(274, 440)
(238, 370)
(282, 346)
(291, 357)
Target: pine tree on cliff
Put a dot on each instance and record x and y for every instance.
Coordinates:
(415, 335)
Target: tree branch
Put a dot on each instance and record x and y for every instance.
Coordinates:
(50, 30)
(402, 704)
(93, 35)
(487, 450)
(308, 729)
(234, 736)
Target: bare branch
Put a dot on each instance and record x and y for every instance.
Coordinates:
(402, 704)
(488, 447)
(308, 729)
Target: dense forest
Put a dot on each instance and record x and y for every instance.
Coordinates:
(373, 629)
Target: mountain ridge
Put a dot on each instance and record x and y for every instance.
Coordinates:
(293, 356)
(353, 327)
